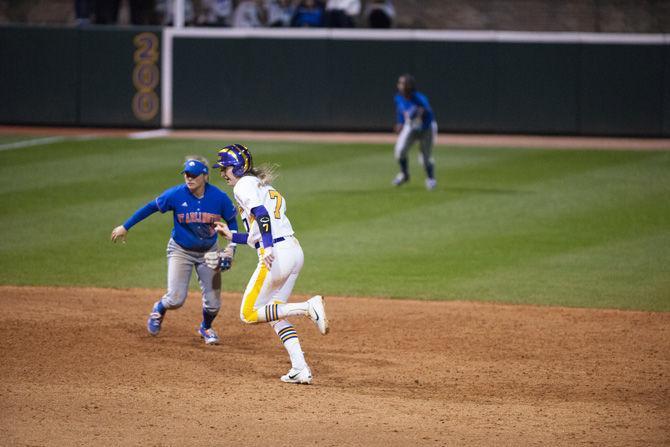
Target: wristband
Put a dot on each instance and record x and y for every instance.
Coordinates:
(240, 238)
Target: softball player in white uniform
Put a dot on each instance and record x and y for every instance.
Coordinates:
(280, 257)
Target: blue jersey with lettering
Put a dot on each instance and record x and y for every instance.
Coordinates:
(192, 216)
(410, 105)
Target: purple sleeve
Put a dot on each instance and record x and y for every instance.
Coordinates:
(261, 215)
(240, 238)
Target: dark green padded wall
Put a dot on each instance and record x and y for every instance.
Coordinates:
(250, 83)
(550, 88)
(536, 88)
(67, 76)
(39, 75)
(458, 78)
(93, 77)
(621, 89)
(107, 68)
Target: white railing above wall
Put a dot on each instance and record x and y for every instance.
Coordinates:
(179, 14)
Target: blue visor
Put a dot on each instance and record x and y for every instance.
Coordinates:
(194, 167)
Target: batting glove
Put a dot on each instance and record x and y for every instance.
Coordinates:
(227, 257)
(225, 263)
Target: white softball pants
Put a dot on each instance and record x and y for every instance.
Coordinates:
(181, 263)
(273, 286)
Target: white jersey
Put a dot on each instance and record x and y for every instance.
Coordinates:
(249, 193)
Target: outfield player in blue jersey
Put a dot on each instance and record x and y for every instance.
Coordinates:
(415, 121)
(195, 205)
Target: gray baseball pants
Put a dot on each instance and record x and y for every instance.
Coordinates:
(181, 263)
(426, 139)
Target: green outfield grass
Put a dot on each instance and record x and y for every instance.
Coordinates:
(575, 228)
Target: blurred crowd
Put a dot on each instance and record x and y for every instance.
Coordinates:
(244, 13)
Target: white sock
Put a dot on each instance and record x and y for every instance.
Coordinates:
(289, 338)
(275, 312)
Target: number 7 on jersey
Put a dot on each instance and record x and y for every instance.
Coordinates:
(274, 195)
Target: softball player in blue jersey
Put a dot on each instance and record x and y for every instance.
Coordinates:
(415, 122)
(195, 205)
(280, 257)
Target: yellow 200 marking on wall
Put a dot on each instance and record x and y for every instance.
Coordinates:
(146, 76)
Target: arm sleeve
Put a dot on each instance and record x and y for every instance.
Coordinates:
(164, 202)
(141, 214)
(240, 238)
(263, 219)
(232, 223)
(421, 101)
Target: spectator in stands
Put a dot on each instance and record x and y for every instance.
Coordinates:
(82, 12)
(164, 8)
(249, 14)
(143, 12)
(279, 12)
(342, 13)
(379, 14)
(106, 12)
(308, 13)
(215, 13)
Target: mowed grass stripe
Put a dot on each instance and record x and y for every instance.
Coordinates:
(633, 273)
(502, 230)
(578, 228)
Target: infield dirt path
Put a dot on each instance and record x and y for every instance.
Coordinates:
(78, 368)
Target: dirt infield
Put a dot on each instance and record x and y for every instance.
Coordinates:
(78, 368)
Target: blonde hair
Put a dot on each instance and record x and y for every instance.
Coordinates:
(199, 158)
(266, 173)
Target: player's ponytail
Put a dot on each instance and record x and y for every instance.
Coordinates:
(266, 173)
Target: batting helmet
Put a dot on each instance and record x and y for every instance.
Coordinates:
(237, 156)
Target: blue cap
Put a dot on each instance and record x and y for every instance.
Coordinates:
(195, 167)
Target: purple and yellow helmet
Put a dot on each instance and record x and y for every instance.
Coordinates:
(237, 156)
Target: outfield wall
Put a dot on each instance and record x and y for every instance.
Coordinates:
(337, 80)
(98, 76)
